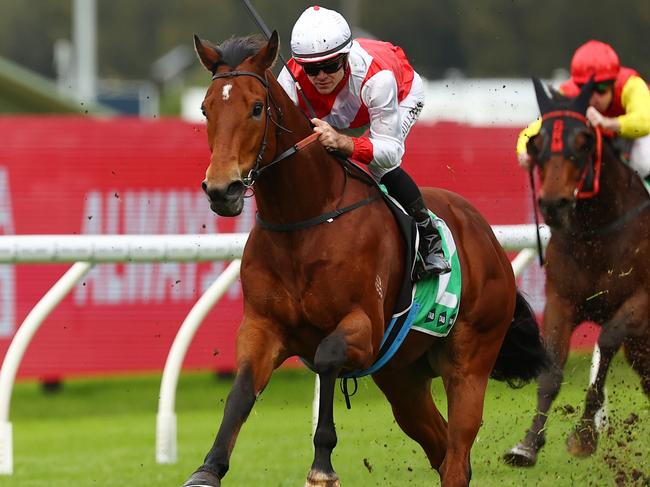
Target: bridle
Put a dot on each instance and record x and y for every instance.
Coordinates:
(257, 169)
(557, 141)
(557, 138)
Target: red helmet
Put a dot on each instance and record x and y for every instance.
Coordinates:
(594, 58)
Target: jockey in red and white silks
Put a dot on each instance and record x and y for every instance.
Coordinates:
(380, 91)
(368, 87)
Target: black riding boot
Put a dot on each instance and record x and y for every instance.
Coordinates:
(401, 187)
(432, 260)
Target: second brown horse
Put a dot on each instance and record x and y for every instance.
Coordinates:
(597, 263)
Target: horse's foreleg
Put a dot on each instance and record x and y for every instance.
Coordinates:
(558, 326)
(258, 353)
(347, 344)
(637, 352)
(629, 319)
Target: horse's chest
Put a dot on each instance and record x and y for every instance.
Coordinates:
(595, 288)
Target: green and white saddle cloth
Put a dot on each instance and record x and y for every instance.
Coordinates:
(438, 297)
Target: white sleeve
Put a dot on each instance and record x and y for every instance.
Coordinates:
(379, 94)
(289, 85)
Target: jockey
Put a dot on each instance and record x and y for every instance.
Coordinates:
(620, 102)
(356, 84)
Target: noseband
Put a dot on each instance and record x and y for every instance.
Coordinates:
(257, 171)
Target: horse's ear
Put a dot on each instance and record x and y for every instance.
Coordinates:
(543, 101)
(581, 102)
(266, 56)
(208, 55)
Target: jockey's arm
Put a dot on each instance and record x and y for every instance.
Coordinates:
(383, 145)
(329, 137)
(524, 136)
(635, 99)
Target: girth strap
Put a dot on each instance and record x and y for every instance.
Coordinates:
(311, 222)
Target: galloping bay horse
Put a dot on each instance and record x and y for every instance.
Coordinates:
(597, 263)
(324, 287)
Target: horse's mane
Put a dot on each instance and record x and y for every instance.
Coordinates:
(235, 49)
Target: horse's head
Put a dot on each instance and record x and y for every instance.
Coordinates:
(564, 151)
(236, 107)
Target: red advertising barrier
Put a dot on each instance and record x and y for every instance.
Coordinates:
(69, 175)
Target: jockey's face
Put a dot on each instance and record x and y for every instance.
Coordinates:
(325, 76)
(602, 97)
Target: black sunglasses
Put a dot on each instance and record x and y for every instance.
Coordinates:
(600, 88)
(329, 67)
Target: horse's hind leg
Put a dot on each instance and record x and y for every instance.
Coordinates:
(465, 388)
(409, 393)
(628, 321)
(468, 361)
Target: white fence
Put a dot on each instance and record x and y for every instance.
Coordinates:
(86, 250)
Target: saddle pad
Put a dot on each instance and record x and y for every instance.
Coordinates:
(646, 183)
(438, 298)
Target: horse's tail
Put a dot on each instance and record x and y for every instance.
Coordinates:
(522, 356)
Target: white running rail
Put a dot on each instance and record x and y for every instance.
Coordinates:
(85, 251)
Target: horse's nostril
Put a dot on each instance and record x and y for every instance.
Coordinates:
(235, 188)
(554, 204)
(563, 202)
(204, 186)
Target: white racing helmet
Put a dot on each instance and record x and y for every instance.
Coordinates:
(320, 34)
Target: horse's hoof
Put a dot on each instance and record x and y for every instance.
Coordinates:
(583, 441)
(521, 456)
(201, 478)
(322, 479)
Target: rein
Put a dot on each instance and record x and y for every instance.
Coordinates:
(258, 171)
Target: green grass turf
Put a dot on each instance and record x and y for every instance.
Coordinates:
(101, 432)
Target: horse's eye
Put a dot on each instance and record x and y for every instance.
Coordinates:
(203, 111)
(257, 109)
(582, 143)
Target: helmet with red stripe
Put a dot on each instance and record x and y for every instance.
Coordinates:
(597, 59)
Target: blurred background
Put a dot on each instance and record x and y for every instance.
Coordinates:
(135, 166)
(137, 57)
(101, 133)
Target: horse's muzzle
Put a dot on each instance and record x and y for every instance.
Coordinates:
(225, 201)
(556, 211)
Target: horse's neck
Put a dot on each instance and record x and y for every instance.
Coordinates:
(620, 192)
(300, 186)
